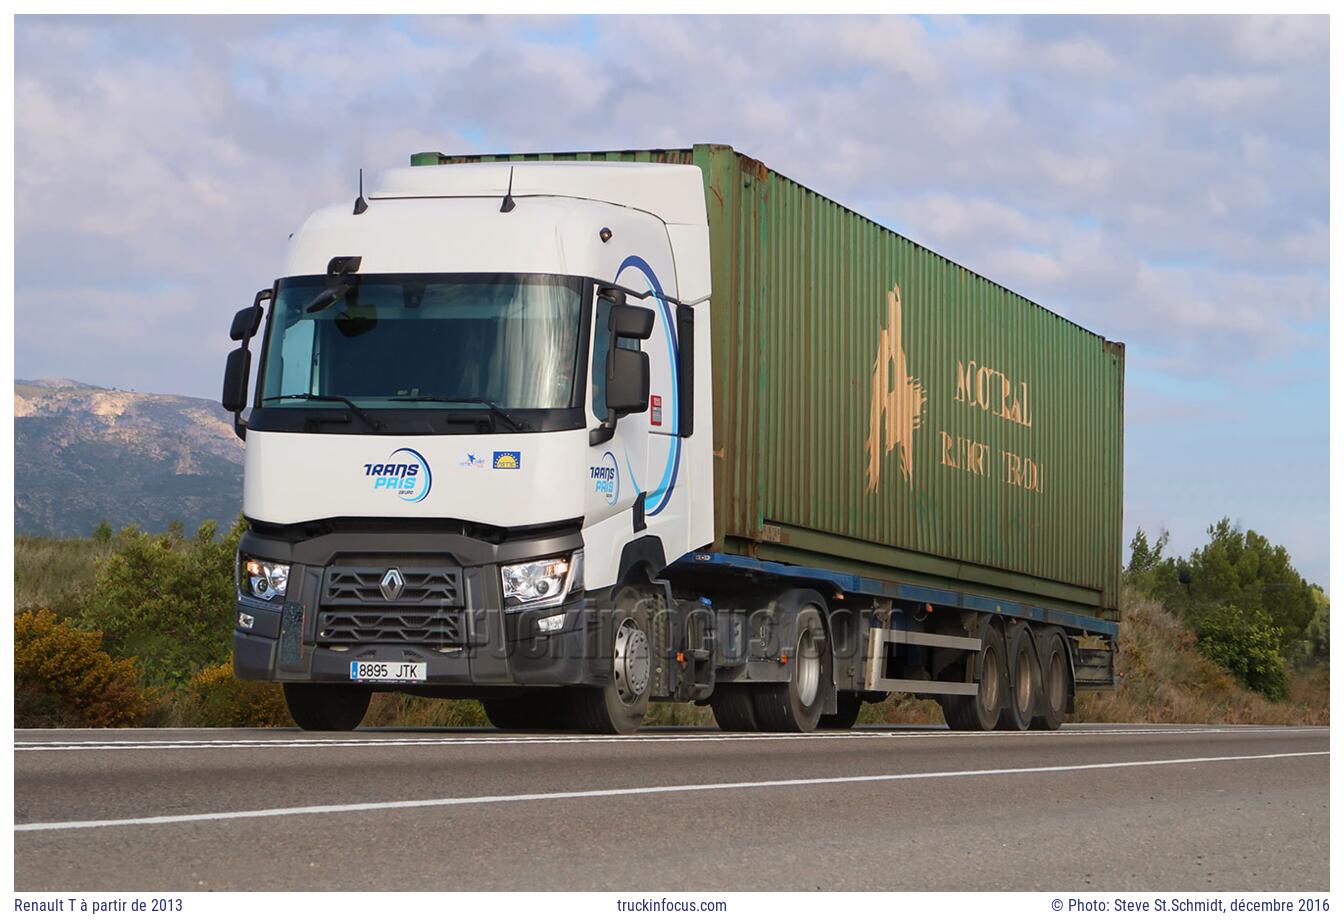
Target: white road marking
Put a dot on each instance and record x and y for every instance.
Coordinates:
(188, 744)
(638, 790)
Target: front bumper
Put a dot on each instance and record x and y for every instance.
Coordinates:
(488, 646)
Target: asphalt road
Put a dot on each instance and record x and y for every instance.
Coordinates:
(1086, 808)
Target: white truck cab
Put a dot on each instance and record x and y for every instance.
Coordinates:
(476, 413)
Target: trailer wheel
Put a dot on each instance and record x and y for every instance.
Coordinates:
(618, 707)
(795, 705)
(531, 711)
(732, 708)
(1024, 672)
(980, 713)
(327, 707)
(1055, 689)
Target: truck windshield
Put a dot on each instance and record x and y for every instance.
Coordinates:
(426, 341)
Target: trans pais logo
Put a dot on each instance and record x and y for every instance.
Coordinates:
(606, 478)
(405, 474)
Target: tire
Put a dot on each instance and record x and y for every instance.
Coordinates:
(795, 705)
(846, 712)
(327, 707)
(1055, 684)
(732, 708)
(618, 707)
(980, 713)
(530, 711)
(1024, 679)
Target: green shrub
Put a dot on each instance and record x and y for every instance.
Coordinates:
(168, 600)
(215, 698)
(63, 678)
(1247, 645)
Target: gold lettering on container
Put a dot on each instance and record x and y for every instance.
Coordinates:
(964, 454)
(898, 400)
(993, 392)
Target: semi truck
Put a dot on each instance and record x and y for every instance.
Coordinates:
(570, 433)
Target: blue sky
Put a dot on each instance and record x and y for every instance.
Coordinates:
(1163, 181)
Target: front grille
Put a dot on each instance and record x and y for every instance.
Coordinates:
(349, 627)
(360, 586)
(426, 611)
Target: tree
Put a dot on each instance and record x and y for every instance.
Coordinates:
(1242, 569)
(1142, 557)
(102, 534)
(1247, 644)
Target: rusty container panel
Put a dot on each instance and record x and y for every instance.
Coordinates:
(880, 408)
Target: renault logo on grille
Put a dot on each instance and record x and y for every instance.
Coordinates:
(392, 584)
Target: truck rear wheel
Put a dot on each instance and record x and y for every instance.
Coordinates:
(795, 705)
(732, 708)
(980, 713)
(846, 713)
(327, 707)
(1055, 690)
(1024, 672)
(618, 707)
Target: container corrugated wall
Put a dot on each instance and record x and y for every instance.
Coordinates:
(881, 409)
(881, 406)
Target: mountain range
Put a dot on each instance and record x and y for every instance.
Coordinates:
(85, 453)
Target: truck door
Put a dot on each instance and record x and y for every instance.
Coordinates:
(662, 468)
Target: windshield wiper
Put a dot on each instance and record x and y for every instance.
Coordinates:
(367, 419)
(495, 409)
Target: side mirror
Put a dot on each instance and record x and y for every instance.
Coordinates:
(630, 322)
(236, 372)
(627, 381)
(246, 322)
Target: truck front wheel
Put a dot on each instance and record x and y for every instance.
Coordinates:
(618, 707)
(530, 711)
(327, 707)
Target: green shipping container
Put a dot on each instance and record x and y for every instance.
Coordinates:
(882, 410)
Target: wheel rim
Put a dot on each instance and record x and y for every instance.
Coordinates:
(631, 661)
(808, 667)
(989, 680)
(1024, 680)
(1057, 682)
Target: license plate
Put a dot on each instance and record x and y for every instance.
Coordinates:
(397, 671)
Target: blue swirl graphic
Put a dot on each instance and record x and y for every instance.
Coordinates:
(424, 465)
(657, 500)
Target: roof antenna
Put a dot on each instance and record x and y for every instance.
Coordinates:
(508, 205)
(360, 204)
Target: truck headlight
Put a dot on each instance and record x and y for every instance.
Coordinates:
(262, 579)
(541, 582)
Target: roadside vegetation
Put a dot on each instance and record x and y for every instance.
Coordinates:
(131, 628)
